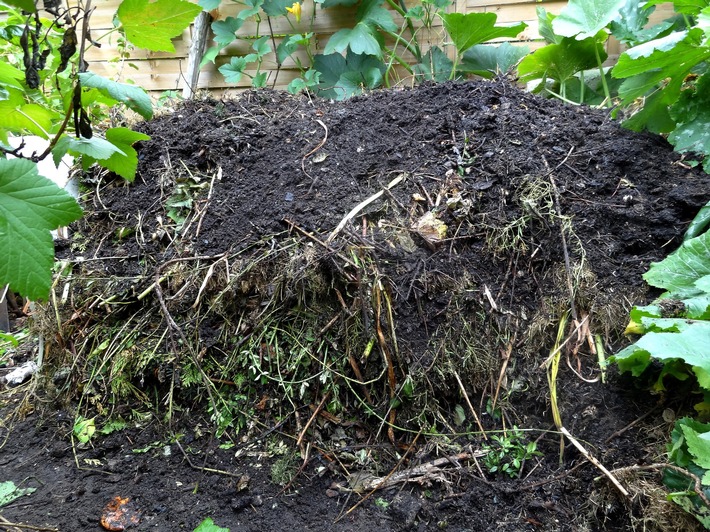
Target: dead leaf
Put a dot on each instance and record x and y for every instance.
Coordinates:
(119, 514)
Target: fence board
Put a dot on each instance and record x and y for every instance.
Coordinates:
(160, 71)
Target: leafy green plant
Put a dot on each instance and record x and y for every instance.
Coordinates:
(47, 89)
(661, 82)
(675, 328)
(675, 331)
(690, 450)
(669, 72)
(84, 429)
(360, 57)
(575, 47)
(508, 452)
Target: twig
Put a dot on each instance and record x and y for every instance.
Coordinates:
(630, 425)
(321, 243)
(594, 461)
(302, 435)
(5, 523)
(470, 406)
(205, 469)
(306, 156)
(360, 206)
(217, 176)
(384, 481)
(698, 485)
(506, 359)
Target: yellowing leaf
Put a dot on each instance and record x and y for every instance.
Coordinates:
(153, 25)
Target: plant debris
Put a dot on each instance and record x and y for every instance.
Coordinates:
(380, 305)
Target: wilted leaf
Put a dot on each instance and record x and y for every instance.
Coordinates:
(120, 514)
(9, 492)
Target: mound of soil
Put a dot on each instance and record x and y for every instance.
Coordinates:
(379, 279)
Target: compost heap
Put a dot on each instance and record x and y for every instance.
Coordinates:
(384, 259)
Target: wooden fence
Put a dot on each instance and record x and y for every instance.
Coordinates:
(161, 71)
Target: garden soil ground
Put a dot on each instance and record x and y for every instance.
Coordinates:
(471, 156)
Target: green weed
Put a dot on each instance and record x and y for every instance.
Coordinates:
(508, 452)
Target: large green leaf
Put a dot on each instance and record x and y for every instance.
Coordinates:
(544, 23)
(692, 115)
(671, 57)
(209, 5)
(30, 206)
(476, 28)
(125, 161)
(152, 25)
(134, 97)
(584, 18)
(487, 60)
(435, 66)
(372, 12)
(363, 39)
(20, 117)
(562, 61)
(679, 272)
(10, 76)
(275, 8)
(26, 5)
(342, 77)
(95, 148)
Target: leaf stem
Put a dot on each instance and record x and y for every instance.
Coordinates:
(603, 75)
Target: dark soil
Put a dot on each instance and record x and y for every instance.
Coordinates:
(270, 177)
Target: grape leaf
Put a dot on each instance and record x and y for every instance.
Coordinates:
(30, 206)
(134, 97)
(153, 25)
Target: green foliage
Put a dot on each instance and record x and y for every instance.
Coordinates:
(30, 206)
(508, 452)
(690, 450)
(84, 429)
(46, 90)
(152, 25)
(676, 328)
(135, 98)
(664, 69)
(583, 19)
(9, 492)
(208, 526)
(362, 57)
